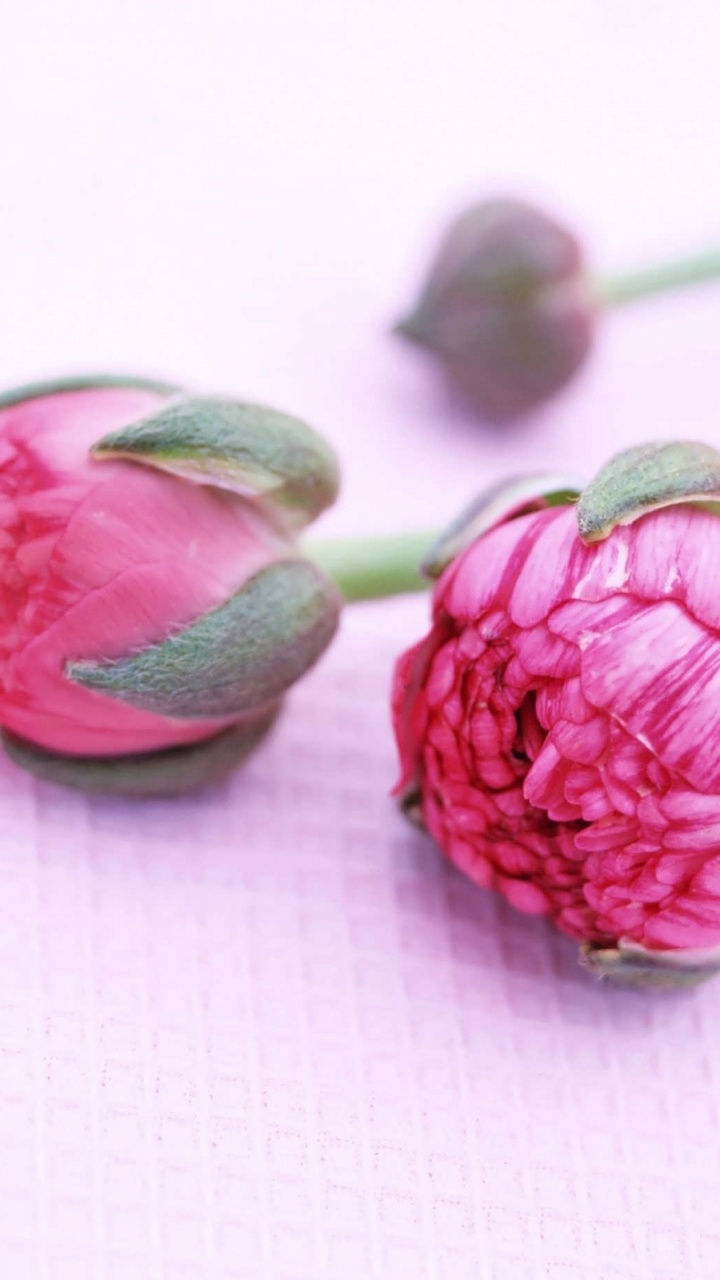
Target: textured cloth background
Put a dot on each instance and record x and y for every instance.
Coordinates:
(264, 1033)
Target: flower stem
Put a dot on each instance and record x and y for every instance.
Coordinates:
(634, 285)
(371, 568)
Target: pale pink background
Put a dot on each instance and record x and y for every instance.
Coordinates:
(264, 1034)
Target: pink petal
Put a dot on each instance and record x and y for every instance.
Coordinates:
(595, 805)
(578, 621)
(623, 921)
(658, 673)
(701, 837)
(673, 869)
(129, 613)
(690, 808)
(650, 814)
(707, 879)
(514, 859)
(610, 833)
(61, 428)
(545, 781)
(544, 654)
(578, 922)
(675, 929)
(676, 553)
(604, 570)
(563, 700)
(511, 802)
(524, 896)
(137, 516)
(485, 574)
(581, 743)
(409, 705)
(443, 675)
(627, 761)
(624, 799)
(467, 859)
(552, 554)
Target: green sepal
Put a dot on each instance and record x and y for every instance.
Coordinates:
(647, 478)
(414, 326)
(503, 501)
(155, 773)
(410, 803)
(631, 965)
(259, 453)
(236, 658)
(83, 382)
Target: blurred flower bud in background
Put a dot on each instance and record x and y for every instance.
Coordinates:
(509, 309)
(505, 308)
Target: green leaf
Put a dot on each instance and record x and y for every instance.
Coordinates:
(647, 478)
(254, 451)
(233, 660)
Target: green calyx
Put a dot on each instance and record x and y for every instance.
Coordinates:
(235, 659)
(155, 773)
(637, 481)
(84, 382)
(631, 965)
(647, 478)
(503, 501)
(265, 456)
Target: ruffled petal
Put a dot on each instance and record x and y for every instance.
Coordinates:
(658, 674)
(675, 554)
(547, 563)
(485, 574)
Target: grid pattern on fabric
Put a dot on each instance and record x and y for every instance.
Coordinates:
(267, 1034)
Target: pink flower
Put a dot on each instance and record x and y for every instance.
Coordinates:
(559, 726)
(103, 561)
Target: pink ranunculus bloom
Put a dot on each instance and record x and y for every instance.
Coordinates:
(560, 724)
(101, 559)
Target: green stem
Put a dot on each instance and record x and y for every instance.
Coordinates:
(617, 290)
(371, 568)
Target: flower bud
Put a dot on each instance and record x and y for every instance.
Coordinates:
(506, 308)
(154, 608)
(558, 726)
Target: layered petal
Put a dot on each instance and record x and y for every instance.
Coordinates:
(568, 749)
(40, 703)
(658, 673)
(100, 560)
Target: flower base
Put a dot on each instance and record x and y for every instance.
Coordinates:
(155, 773)
(630, 965)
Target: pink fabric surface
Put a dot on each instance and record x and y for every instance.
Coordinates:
(266, 1033)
